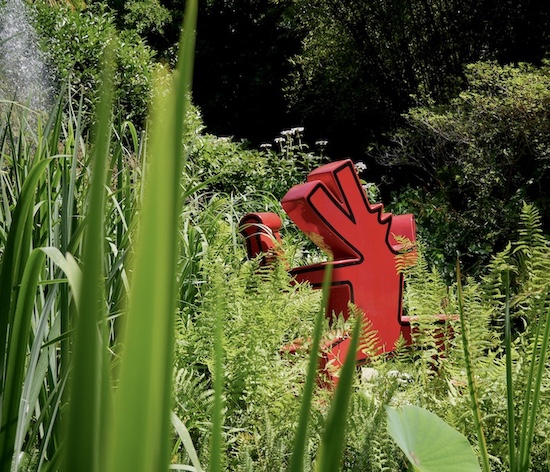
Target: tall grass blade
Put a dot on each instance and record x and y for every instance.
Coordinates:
(139, 435)
(534, 382)
(87, 387)
(69, 184)
(216, 443)
(14, 260)
(184, 81)
(476, 412)
(53, 126)
(509, 379)
(37, 363)
(300, 439)
(187, 442)
(70, 267)
(15, 251)
(17, 351)
(329, 457)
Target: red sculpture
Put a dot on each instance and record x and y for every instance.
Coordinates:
(332, 209)
(261, 234)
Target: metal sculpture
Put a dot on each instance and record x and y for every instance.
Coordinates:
(362, 241)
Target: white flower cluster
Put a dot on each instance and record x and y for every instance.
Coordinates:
(360, 166)
(293, 131)
(370, 374)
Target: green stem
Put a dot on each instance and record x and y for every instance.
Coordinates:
(471, 381)
(509, 380)
(527, 433)
(217, 410)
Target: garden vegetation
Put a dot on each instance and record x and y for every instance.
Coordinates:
(135, 334)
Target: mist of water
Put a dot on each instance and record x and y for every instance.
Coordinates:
(24, 74)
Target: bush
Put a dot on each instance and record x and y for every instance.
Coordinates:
(75, 42)
(471, 163)
(232, 167)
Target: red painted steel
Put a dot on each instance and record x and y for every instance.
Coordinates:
(362, 242)
(261, 234)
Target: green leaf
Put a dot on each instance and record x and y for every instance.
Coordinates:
(429, 443)
(17, 354)
(89, 387)
(333, 442)
(300, 439)
(187, 442)
(16, 251)
(69, 266)
(476, 410)
(14, 262)
(216, 441)
(139, 433)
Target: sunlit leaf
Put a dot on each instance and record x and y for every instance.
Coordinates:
(430, 444)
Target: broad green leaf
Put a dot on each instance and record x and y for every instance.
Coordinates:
(430, 444)
(89, 384)
(139, 434)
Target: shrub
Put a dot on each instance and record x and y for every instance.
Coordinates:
(232, 167)
(75, 42)
(471, 163)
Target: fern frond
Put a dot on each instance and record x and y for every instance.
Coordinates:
(193, 402)
(402, 352)
(407, 256)
(526, 263)
(493, 282)
(369, 342)
(531, 254)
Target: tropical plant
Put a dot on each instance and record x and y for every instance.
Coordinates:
(429, 443)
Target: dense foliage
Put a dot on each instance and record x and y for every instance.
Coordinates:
(75, 42)
(345, 71)
(125, 290)
(361, 62)
(472, 162)
(350, 73)
(260, 311)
